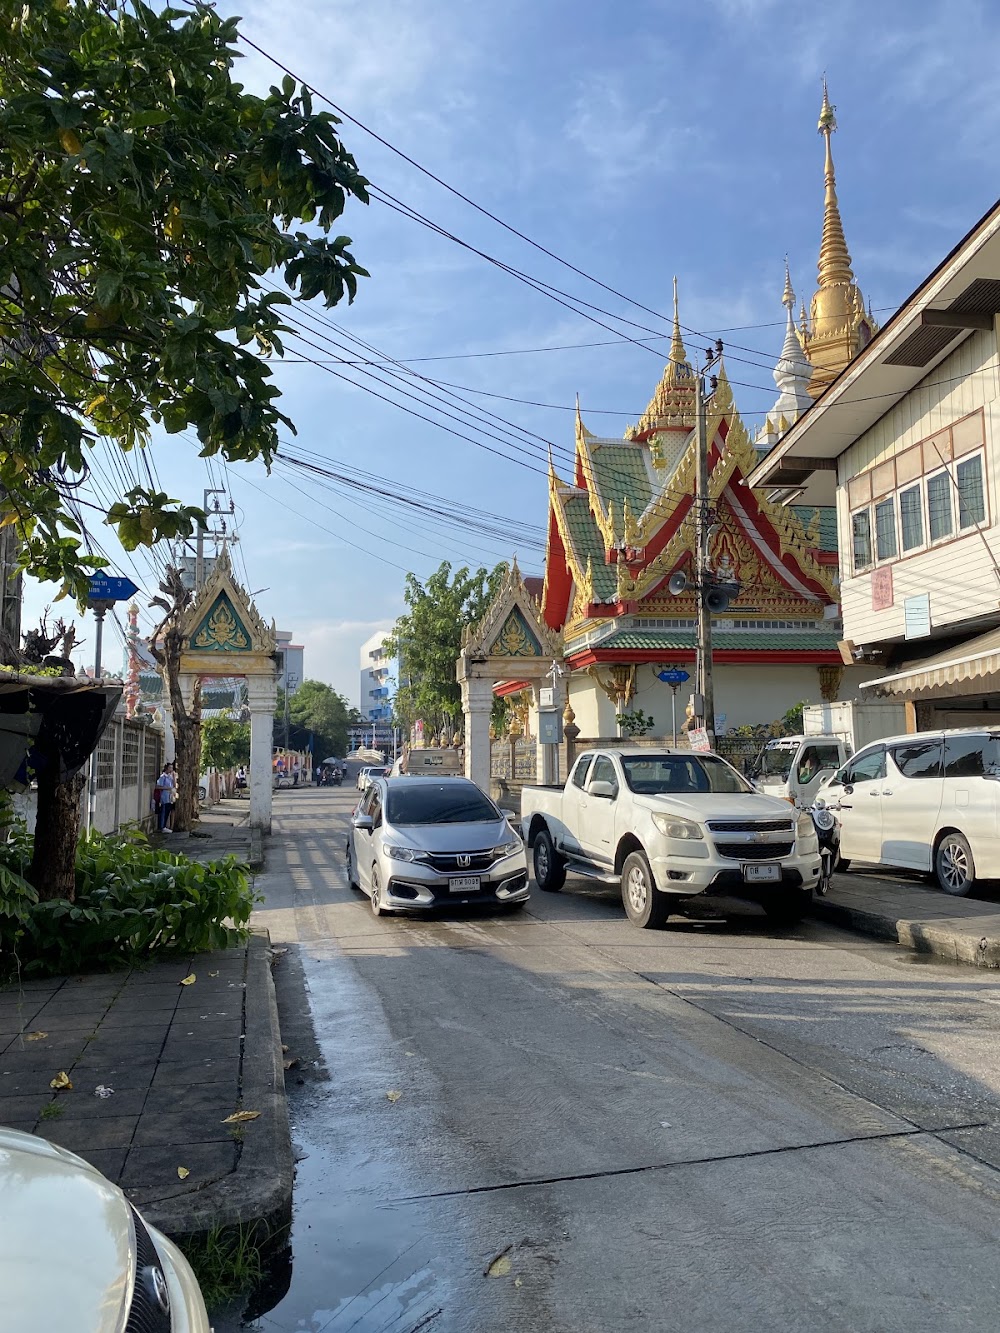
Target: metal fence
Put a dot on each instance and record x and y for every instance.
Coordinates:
(513, 761)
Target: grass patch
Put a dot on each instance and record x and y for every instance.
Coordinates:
(51, 1111)
(226, 1261)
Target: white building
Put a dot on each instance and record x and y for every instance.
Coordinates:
(378, 679)
(291, 666)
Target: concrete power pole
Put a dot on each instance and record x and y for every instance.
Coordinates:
(703, 566)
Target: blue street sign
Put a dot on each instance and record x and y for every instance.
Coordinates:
(675, 676)
(105, 588)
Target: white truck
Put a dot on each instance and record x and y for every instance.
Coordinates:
(795, 767)
(676, 831)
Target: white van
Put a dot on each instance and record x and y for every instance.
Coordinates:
(928, 801)
(795, 767)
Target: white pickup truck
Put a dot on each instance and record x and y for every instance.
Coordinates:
(672, 828)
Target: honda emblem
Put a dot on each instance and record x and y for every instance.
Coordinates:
(464, 862)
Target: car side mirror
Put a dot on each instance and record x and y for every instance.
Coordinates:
(362, 822)
(848, 788)
(605, 790)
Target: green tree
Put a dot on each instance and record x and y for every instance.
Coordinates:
(224, 743)
(428, 639)
(317, 710)
(143, 197)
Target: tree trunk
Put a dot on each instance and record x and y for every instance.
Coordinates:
(57, 832)
(187, 764)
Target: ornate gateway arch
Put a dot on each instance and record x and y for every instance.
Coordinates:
(224, 636)
(511, 643)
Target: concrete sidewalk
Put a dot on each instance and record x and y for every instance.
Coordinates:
(223, 830)
(964, 930)
(156, 1068)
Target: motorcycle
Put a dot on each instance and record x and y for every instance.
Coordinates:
(338, 777)
(825, 824)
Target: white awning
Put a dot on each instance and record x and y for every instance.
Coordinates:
(972, 667)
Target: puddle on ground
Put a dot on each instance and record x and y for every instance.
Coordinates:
(360, 1261)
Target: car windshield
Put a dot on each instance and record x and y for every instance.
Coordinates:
(663, 774)
(774, 764)
(426, 802)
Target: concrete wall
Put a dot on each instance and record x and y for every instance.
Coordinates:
(746, 694)
(129, 760)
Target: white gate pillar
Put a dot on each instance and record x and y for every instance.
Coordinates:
(477, 702)
(261, 699)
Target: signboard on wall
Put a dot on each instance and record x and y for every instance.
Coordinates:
(882, 596)
(917, 616)
(698, 739)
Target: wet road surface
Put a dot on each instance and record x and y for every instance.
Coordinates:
(711, 1127)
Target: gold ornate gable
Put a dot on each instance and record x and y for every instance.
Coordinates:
(223, 630)
(512, 626)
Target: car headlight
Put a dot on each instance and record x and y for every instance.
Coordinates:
(679, 828)
(507, 848)
(400, 853)
(805, 827)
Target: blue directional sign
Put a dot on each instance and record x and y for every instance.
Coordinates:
(675, 676)
(104, 588)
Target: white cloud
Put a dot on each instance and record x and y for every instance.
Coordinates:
(622, 138)
(332, 648)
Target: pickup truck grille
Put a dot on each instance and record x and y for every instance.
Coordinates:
(754, 851)
(750, 825)
(456, 863)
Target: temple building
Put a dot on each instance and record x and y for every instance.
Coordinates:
(622, 523)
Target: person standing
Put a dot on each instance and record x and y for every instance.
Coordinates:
(166, 785)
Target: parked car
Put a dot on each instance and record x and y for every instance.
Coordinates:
(364, 777)
(75, 1254)
(416, 843)
(926, 801)
(673, 829)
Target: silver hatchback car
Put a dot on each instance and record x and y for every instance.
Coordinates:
(418, 843)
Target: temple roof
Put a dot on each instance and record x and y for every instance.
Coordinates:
(723, 640)
(672, 404)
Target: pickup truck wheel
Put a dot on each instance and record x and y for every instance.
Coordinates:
(550, 868)
(644, 905)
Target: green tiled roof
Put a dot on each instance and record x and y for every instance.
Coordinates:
(827, 524)
(654, 640)
(587, 540)
(620, 470)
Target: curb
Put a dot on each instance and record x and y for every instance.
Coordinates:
(923, 937)
(258, 1193)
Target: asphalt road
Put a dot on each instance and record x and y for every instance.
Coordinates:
(710, 1127)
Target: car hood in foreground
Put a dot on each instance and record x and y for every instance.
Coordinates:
(449, 837)
(65, 1240)
(749, 805)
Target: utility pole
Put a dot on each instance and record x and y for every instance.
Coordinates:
(199, 558)
(703, 562)
(100, 608)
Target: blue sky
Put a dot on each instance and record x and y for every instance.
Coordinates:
(635, 140)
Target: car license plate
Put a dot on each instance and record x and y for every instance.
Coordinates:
(464, 884)
(753, 873)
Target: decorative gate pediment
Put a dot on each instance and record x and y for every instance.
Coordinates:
(512, 626)
(223, 631)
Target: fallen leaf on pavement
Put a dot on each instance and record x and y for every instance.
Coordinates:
(213, 974)
(62, 1081)
(290, 1064)
(394, 1096)
(284, 1047)
(240, 1117)
(183, 1173)
(518, 1282)
(499, 1265)
(35, 1036)
(189, 980)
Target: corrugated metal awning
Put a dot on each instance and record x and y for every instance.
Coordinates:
(972, 667)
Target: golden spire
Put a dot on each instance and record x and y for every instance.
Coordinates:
(834, 259)
(677, 353)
